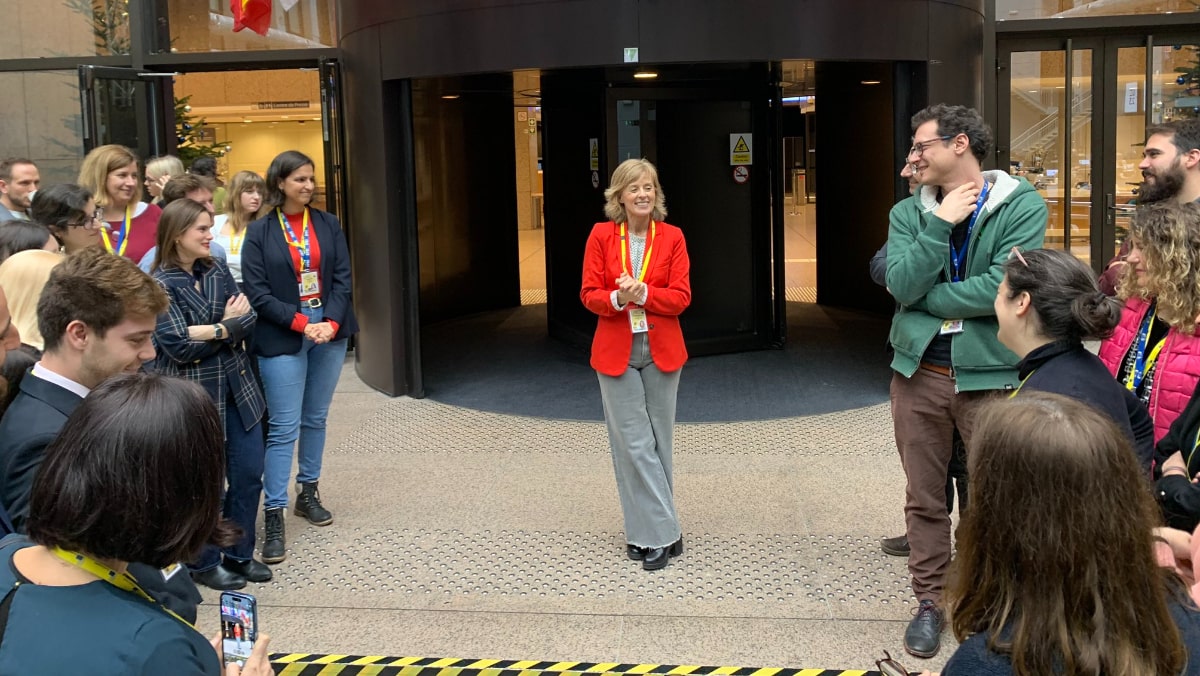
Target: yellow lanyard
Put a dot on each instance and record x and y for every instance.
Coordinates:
(626, 262)
(235, 241)
(122, 581)
(1150, 361)
(1022, 384)
(123, 242)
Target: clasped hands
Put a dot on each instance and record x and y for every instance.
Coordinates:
(629, 289)
(319, 332)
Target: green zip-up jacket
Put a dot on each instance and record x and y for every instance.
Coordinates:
(918, 277)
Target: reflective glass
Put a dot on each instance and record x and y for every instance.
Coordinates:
(40, 119)
(206, 26)
(1008, 10)
(63, 28)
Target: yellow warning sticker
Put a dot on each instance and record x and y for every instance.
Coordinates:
(741, 149)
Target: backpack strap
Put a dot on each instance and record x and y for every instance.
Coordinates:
(6, 607)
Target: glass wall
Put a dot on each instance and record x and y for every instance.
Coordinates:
(207, 25)
(40, 120)
(1007, 10)
(63, 28)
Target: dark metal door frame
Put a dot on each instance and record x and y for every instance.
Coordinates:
(153, 114)
(765, 112)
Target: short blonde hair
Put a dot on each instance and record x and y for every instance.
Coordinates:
(625, 175)
(22, 276)
(102, 161)
(167, 165)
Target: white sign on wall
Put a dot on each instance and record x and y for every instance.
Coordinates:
(1131, 97)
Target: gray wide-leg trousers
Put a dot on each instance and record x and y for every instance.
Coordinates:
(639, 408)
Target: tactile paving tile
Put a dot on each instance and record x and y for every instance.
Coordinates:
(801, 294)
(419, 426)
(535, 296)
(521, 564)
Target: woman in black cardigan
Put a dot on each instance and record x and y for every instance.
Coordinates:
(1046, 306)
(296, 273)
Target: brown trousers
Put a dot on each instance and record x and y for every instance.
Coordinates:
(925, 411)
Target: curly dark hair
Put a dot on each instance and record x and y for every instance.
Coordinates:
(955, 120)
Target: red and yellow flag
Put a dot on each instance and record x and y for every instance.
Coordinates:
(252, 14)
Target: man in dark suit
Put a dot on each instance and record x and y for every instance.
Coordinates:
(97, 314)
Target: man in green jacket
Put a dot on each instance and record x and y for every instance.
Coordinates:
(946, 247)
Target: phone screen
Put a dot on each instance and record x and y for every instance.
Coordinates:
(239, 626)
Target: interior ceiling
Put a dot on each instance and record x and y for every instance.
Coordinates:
(799, 78)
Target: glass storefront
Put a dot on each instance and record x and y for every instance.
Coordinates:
(1011, 10)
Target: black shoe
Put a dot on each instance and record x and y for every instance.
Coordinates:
(273, 549)
(219, 578)
(635, 552)
(923, 638)
(252, 570)
(897, 546)
(658, 557)
(308, 505)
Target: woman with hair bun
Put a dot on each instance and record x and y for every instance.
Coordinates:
(1047, 305)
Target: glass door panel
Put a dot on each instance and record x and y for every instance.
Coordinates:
(126, 107)
(1037, 103)
(1130, 114)
(1078, 237)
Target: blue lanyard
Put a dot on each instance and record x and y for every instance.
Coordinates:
(958, 255)
(1139, 360)
(289, 236)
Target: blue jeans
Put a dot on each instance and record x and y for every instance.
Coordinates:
(299, 388)
(243, 471)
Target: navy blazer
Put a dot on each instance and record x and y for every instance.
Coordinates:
(269, 281)
(33, 420)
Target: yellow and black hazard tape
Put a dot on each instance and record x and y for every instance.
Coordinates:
(304, 664)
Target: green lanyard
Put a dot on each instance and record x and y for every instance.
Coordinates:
(122, 581)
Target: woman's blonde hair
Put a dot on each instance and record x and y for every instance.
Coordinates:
(1055, 559)
(242, 183)
(167, 165)
(23, 276)
(626, 174)
(1168, 235)
(102, 161)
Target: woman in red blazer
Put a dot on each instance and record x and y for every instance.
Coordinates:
(635, 278)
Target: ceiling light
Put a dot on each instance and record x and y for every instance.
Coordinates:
(645, 75)
(450, 97)
(870, 82)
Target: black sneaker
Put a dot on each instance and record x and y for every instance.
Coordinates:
(923, 638)
(897, 546)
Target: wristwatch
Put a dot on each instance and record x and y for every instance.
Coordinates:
(218, 332)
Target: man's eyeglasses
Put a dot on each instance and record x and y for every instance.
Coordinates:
(918, 147)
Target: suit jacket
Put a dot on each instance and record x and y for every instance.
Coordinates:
(33, 420)
(269, 281)
(669, 294)
(219, 366)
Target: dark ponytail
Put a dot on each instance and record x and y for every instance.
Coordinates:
(1064, 294)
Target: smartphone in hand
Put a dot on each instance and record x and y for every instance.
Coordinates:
(239, 626)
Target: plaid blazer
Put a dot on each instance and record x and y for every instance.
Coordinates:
(220, 366)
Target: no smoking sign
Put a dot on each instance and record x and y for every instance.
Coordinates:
(741, 174)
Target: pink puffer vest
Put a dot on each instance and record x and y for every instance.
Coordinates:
(1177, 371)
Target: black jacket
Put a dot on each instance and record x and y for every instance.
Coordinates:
(29, 425)
(269, 281)
(1179, 497)
(1070, 370)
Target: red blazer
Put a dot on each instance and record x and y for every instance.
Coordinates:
(669, 293)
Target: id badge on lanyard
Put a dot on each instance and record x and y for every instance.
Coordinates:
(310, 283)
(637, 316)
